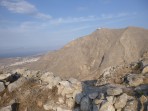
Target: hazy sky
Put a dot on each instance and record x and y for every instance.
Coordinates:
(39, 24)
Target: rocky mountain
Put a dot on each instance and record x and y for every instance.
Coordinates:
(104, 71)
(87, 57)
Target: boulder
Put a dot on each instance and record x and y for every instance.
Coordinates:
(101, 96)
(134, 79)
(56, 81)
(67, 90)
(107, 106)
(131, 105)
(70, 102)
(48, 105)
(7, 108)
(19, 71)
(97, 101)
(111, 99)
(143, 100)
(96, 107)
(73, 81)
(85, 104)
(13, 86)
(4, 76)
(78, 97)
(62, 109)
(65, 83)
(2, 87)
(114, 91)
(76, 109)
(61, 100)
(48, 77)
(93, 95)
(145, 69)
(121, 101)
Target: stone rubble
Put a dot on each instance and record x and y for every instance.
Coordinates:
(72, 95)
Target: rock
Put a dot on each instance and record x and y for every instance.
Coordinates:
(114, 91)
(131, 105)
(60, 89)
(73, 81)
(78, 97)
(69, 95)
(143, 101)
(97, 101)
(134, 79)
(48, 77)
(111, 99)
(96, 107)
(2, 87)
(56, 81)
(101, 96)
(19, 71)
(93, 95)
(121, 101)
(39, 103)
(107, 106)
(61, 100)
(76, 109)
(70, 103)
(85, 104)
(13, 86)
(7, 108)
(62, 109)
(49, 105)
(137, 66)
(65, 83)
(145, 69)
(4, 76)
(67, 90)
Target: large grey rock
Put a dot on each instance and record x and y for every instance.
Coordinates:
(2, 87)
(96, 107)
(114, 91)
(107, 106)
(131, 105)
(13, 86)
(93, 95)
(78, 97)
(85, 104)
(121, 101)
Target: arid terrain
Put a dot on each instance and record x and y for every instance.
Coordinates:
(106, 70)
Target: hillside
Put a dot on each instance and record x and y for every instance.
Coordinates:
(86, 57)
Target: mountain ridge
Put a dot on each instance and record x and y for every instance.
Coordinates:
(87, 56)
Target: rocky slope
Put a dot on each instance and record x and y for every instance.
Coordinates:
(86, 57)
(26, 90)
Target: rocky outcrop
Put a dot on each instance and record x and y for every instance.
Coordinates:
(26, 90)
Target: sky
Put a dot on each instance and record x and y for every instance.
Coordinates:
(41, 25)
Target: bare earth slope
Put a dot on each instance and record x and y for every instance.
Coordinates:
(87, 56)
